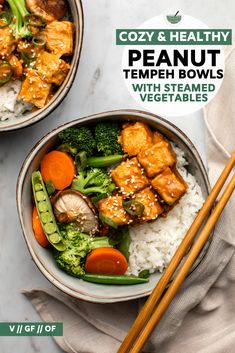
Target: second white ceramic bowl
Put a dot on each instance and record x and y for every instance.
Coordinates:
(75, 14)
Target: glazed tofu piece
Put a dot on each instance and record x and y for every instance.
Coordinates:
(52, 69)
(156, 158)
(59, 37)
(112, 208)
(152, 207)
(135, 137)
(7, 42)
(129, 177)
(169, 185)
(34, 90)
(16, 66)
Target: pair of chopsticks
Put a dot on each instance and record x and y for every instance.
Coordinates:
(154, 308)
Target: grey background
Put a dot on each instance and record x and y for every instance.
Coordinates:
(98, 87)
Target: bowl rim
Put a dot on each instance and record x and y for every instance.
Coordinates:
(21, 179)
(63, 90)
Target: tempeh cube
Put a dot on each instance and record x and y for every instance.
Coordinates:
(7, 42)
(59, 37)
(152, 207)
(34, 90)
(112, 208)
(169, 185)
(158, 137)
(16, 65)
(129, 177)
(52, 69)
(156, 158)
(135, 137)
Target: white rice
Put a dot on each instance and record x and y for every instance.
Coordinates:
(153, 244)
(10, 107)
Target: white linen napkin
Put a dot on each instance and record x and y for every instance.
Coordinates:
(201, 318)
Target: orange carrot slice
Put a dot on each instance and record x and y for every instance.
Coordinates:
(38, 231)
(106, 261)
(59, 168)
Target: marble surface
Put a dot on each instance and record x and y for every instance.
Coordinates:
(98, 87)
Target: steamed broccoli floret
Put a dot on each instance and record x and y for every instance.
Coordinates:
(65, 147)
(80, 138)
(106, 136)
(66, 228)
(19, 10)
(78, 246)
(93, 181)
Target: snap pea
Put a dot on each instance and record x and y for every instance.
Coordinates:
(46, 217)
(45, 212)
(42, 206)
(112, 279)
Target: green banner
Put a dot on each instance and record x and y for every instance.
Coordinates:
(31, 329)
(173, 36)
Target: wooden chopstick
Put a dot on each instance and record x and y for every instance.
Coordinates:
(150, 304)
(184, 269)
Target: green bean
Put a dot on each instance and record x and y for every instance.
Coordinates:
(112, 279)
(45, 212)
(50, 187)
(81, 161)
(124, 244)
(115, 236)
(107, 161)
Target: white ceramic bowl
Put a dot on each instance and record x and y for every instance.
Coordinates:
(75, 14)
(43, 257)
